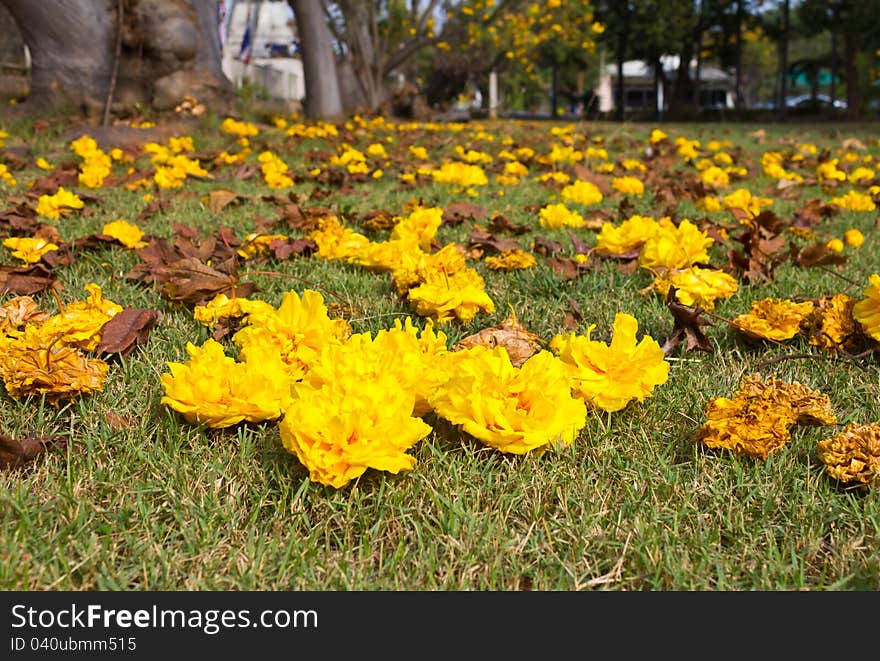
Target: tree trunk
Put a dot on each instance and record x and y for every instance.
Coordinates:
(853, 90)
(169, 50)
(323, 98)
(783, 60)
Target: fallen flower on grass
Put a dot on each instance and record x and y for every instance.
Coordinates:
(609, 376)
(28, 249)
(340, 429)
(214, 389)
(32, 365)
(756, 422)
(127, 234)
(853, 455)
(512, 409)
(61, 203)
(773, 319)
(867, 310)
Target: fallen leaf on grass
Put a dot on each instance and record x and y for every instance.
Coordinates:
(27, 280)
(567, 268)
(126, 330)
(520, 343)
(458, 212)
(15, 453)
(220, 199)
(687, 327)
(191, 281)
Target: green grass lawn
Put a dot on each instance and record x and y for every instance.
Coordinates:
(139, 499)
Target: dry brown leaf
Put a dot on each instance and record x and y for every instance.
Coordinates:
(27, 280)
(220, 198)
(520, 343)
(126, 330)
(15, 453)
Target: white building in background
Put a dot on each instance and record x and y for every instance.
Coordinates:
(643, 93)
(260, 45)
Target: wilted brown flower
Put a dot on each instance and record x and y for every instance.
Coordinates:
(853, 455)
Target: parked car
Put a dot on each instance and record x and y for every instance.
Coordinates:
(808, 102)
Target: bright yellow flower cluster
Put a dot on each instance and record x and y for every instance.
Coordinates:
(460, 174)
(696, 286)
(62, 203)
(629, 236)
(675, 247)
(854, 201)
(6, 175)
(582, 192)
(559, 215)
(628, 185)
(756, 422)
(173, 166)
(28, 249)
(743, 199)
(867, 310)
(609, 376)
(512, 409)
(238, 128)
(275, 170)
(127, 234)
(96, 165)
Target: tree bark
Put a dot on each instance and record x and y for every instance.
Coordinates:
(170, 50)
(323, 99)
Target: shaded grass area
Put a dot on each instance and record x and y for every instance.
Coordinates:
(140, 500)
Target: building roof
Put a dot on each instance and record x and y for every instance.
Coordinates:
(641, 69)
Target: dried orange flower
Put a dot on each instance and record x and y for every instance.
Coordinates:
(773, 319)
(853, 455)
(834, 324)
(756, 422)
(511, 260)
(31, 365)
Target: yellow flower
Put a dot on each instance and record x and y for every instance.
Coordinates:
(212, 388)
(657, 136)
(222, 307)
(559, 215)
(79, 323)
(675, 247)
(335, 241)
(582, 192)
(43, 164)
(446, 296)
(127, 234)
(628, 185)
(854, 238)
(461, 174)
(697, 287)
(611, 375)
(296, 331)
(835, 245)
(241, 129)
(420, 225)
(514, 410)
(715, 177)
(61, 203)
(29, 250)
(511, 260)
(340, 429)
(709, 203)
(867, 310)
(631, 235)
(853, 455)
(854, 201)
(773, 319)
